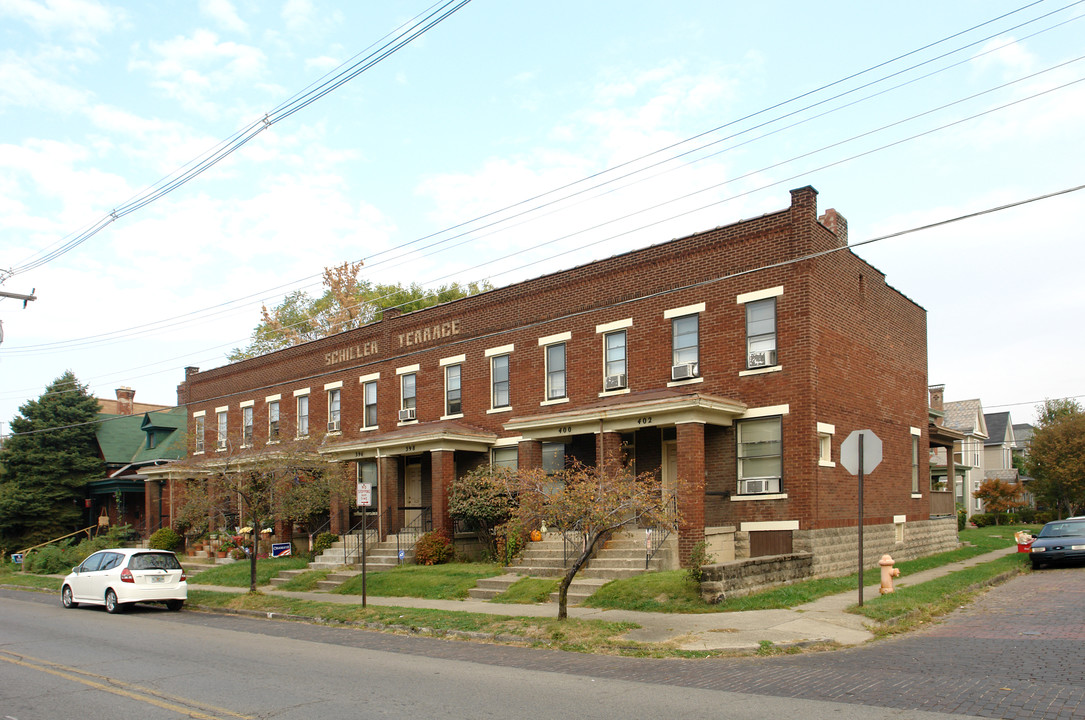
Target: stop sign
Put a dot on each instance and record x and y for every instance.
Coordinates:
(872, 451)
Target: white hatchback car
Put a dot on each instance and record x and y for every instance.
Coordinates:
(118, 577)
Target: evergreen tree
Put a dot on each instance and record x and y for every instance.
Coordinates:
(47, 462)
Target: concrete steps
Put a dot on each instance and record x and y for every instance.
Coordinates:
(341, 558)
(489, 588)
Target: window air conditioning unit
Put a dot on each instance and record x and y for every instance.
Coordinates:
(762, 358)
(685, 371)
(333, 426)
(750, 487)
(406, 414)
(222, 444)
(614, 382)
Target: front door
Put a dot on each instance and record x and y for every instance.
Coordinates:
(412, 492)
(670, 470)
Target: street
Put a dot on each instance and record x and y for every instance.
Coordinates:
(1016, 653)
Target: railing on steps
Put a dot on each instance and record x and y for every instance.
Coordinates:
(369, 525)
(313, 533)
(573, 543)
(657, 534)
(408, 536)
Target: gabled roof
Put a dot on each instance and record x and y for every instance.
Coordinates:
(1022, 433)
(999, 428)
(966, 416)
(122, 439)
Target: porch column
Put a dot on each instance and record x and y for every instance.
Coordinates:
(442, 475)
(529, 454)
(339, 513)
(691, 488)
(152, 491)
(389, 495)
(608, 447)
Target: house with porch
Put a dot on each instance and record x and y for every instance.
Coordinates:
(734, 362)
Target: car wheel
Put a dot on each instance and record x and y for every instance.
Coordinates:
(111, 604)
(66, 597)
(175, 605)
(1036, 564)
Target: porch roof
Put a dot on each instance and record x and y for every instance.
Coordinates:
(412, 439)
(621, 413)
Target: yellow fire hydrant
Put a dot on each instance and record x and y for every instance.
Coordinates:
(888, 573)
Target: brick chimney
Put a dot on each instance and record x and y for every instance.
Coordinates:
(126, 400)
(936, 403)
(837, 225)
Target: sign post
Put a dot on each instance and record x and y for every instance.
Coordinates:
(860, 453)
(365, 499)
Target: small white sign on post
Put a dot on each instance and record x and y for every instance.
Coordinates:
(365, 494)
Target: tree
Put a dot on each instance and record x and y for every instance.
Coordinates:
(589, 502)
(1056, 459)
(999, 496)
(483, 501)
(47, 462)
(347, 303)
(286, 484)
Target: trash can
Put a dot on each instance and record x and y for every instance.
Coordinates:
(1024, 547)
(1024, 541)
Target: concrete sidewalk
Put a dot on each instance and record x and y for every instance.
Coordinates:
(823, 620)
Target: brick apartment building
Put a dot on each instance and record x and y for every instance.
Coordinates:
(723, 358)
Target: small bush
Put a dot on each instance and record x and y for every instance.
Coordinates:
(698, 558)
(324, 541)
(164, 539)
(238, 554)
(984, 519)
(433, 548)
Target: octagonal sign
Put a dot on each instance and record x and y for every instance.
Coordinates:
(872, 451)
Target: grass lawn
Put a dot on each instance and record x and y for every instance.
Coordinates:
(435, 582)
(236, 574)
(529, 590)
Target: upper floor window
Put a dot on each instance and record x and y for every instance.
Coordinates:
(303, 416)
(200, 429)
(453, 404)
(684, 344)
(407, 391)
(555, 371)
(760, 460)
(152, 441)
(369, 396)
(334, 397)
(221, 429)
(273, 421)
(499, 378)
(246, 426)
(761, 333)
(614, 376)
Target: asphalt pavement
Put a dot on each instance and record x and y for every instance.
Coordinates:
(824, 620)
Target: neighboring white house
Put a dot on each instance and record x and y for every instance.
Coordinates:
(966, 416)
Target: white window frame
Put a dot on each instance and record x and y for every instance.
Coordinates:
(453, 369)
(916, 433)
(201, 428)
(273, 410)
(564, 372)
(335, 409)
(676, 359)
(773, 484)
(247, 424)
(512, 449)
(222, 426)
(367, 405)
(616, 366)
(302, 402)
(506, 359)
(412, 378)
(825, 444)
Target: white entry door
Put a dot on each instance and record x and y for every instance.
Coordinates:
(412, 491)
(670, 470)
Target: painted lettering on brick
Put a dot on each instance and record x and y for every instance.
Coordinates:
(430, 334)
(351, 352)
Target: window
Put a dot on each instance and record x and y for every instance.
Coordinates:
(761, 333)
(303, 416)
(684, 342)
(221, 429)
(246, 426)
(369, 397)
(499, 378)
(555, 371)
(453, 405)
(614, 377)
(506, 457)
(825, 448)
(407, 391)
(199, 433)
(553, 457)
(151, 440)
(759, 456)
(273, 421)
(334, 395)
(915, 465)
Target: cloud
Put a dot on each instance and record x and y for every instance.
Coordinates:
(224, 14)
(322, 64)
(80, 20)
(23, 85)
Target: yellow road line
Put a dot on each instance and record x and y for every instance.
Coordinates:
(190, 708)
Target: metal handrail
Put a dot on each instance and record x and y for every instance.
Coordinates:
(657, 534)
(421, 525)
(352, 540)
(62, 537)
(576, 543)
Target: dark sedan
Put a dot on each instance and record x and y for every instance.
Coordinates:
(1059, 541)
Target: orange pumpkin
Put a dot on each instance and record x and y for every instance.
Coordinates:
(536, 536)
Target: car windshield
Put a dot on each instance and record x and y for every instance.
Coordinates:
(154, 561)
(1064, 529)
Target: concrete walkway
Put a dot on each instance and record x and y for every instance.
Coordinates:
(823, 620)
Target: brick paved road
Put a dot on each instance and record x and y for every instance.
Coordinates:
(1018, 652)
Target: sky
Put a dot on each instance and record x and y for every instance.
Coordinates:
(515, 139)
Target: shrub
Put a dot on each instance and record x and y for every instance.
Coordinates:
(984, 519)
(698, 558)
(164, 539)
(433, 548)
(238, 554)
(324, 541)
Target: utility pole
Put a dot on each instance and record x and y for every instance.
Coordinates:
(15, 296)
